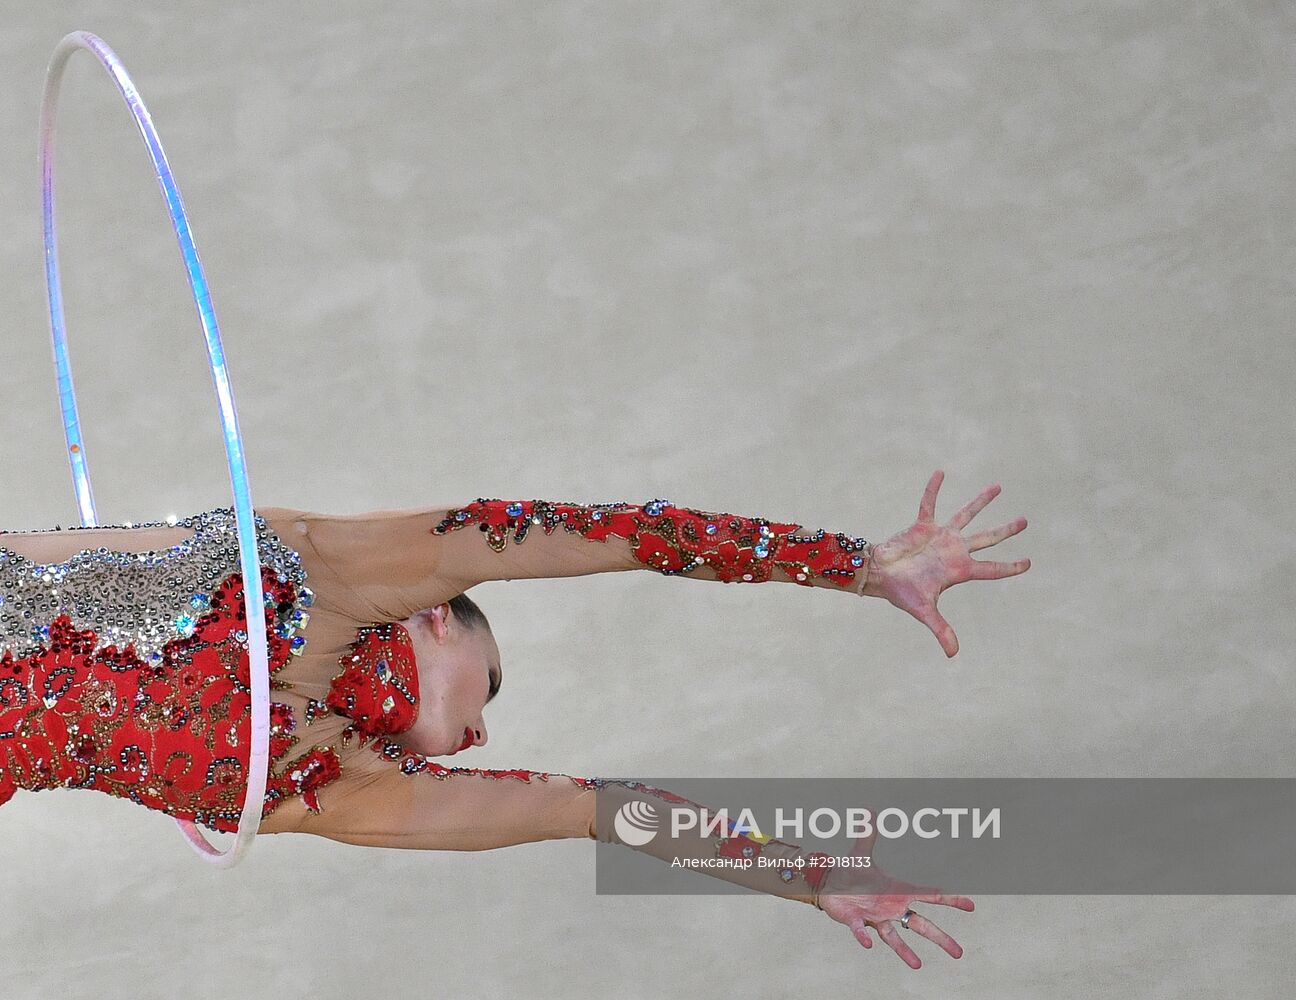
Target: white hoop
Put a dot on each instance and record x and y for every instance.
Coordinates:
(253, 597)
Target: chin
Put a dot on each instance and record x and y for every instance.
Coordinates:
(448, 751)
(421, 747)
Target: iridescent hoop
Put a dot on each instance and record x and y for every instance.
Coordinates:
(258, 764)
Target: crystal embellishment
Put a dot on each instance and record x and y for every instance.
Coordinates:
(146, 602)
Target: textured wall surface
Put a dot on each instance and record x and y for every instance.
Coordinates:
(782, 260)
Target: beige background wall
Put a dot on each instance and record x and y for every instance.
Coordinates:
(777, 259)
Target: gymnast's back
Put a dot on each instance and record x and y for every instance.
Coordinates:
(124, 661)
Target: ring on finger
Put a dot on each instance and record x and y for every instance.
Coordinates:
(904, 920)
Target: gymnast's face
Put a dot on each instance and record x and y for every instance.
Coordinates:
(459, 671)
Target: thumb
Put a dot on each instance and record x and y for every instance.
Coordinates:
(940, 628)
(863, 846)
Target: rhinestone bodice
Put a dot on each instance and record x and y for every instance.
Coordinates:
(144, 599)
(129, 673)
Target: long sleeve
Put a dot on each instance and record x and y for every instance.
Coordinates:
(399, 798)
(402, 799)
(402, 561)
(709, 845)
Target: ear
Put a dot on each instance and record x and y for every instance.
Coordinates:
(439, 619)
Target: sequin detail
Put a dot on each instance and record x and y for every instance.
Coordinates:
(129, 673)
(674, 540)
(411, 762)
(377, 687)
(146, 599)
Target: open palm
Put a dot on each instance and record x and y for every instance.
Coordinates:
(912, 568)
(861, 898)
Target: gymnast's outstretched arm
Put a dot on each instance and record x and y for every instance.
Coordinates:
(421, 805)
(413, 559)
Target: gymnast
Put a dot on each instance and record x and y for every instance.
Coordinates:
(125, 668)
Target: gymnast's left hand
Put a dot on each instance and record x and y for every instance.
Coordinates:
(861, 898)
(912, 568)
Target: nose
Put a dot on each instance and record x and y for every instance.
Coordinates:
(479, 734)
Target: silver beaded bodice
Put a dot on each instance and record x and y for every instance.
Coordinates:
(145, 598)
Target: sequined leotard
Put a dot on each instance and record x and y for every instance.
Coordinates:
(126, 671)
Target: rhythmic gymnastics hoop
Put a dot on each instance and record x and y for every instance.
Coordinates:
(253, 598)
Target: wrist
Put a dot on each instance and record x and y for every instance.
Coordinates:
(794, 874)
(873, 577)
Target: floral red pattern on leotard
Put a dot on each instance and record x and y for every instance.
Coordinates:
(675, 540)
(378, 686)
(172, 735)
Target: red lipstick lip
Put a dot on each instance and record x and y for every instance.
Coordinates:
(469, 736)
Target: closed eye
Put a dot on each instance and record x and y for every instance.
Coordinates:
(496, 679)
